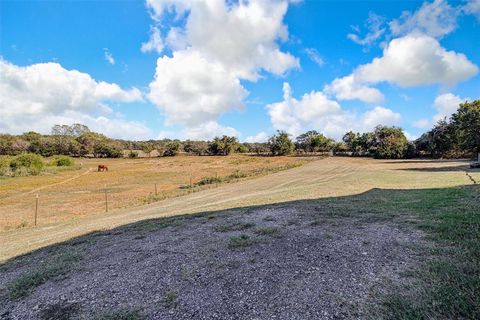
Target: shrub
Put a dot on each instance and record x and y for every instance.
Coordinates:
(4, 166)
(133, 154)
(27, 163)
(209, 180)
(62, 161)
(171, 149)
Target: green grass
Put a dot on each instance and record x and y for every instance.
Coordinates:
(233, 227)
(447, 280)
(56, 266)
(170, 297)
(268, 231)
(240, 242)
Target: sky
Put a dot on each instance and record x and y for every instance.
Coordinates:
(196, 69)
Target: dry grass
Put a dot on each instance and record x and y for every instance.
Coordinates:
(70, 194)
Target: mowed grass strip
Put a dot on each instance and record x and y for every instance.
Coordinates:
(446, 282)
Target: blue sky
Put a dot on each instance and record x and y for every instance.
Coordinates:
(196, 69)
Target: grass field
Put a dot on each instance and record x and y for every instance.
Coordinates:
(338, 238)
(79, 192)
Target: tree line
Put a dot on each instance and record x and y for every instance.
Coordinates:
(455, 137)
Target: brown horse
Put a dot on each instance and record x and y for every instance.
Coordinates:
(102, 167)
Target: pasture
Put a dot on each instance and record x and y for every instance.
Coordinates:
(337, 238)
(71, 194)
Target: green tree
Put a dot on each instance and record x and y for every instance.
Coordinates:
(171, 149)
(222, 146)
(389, 143)
(280, 144)
(466, 122)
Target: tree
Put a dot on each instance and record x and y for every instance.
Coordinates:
(280, 144)
(321, 143)
(350, 140)
(466, 122)
(222, 146)
(171, 149)
(147, 147)
(389, 143)
(304, 141)
(196, 147)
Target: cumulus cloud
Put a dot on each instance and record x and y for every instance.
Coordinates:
(422, 123)
(315, 111)
(412, 60)
(259, 137)
(446, 105)
(154, 43)
(218, 45)
(41, 95)
(208, 130)
(415, 60)
(193, 90)
(435, 19)
(347, 88)
(472, 7)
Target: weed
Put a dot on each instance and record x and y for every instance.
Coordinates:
(57, 267)
(233, 227)
(240, 242)
(170, 297)
(60, 311)
(268, 231)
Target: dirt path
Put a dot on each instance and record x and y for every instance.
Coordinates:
(324, 178)
(58, 183)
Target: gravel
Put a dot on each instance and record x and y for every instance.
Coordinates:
(296, 264)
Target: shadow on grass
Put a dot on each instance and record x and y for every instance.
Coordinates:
(447, 282)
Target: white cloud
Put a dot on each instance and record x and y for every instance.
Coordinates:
(208, 130)
(422, 124)
(375, 25)
(259, 137)
(446, 105)
(315, 111)
(472, 7)
(435, 19)
(192, 90)
(415, 60)
(154, 43)
(315, 56)
(380, 116)
(218, 45)
(40, 95)
(108, 56)
(347, 88)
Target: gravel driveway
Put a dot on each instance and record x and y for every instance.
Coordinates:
(288, 261)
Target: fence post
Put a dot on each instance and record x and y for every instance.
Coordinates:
(190, 181)
(155, 189)
(106, 199)
(36, 208)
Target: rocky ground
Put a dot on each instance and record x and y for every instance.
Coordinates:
(295, 260)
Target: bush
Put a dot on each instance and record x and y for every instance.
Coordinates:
(28, 163)
(4, 166)
(133, 154)
(209, 180)
(171, 149)
(62, 161)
